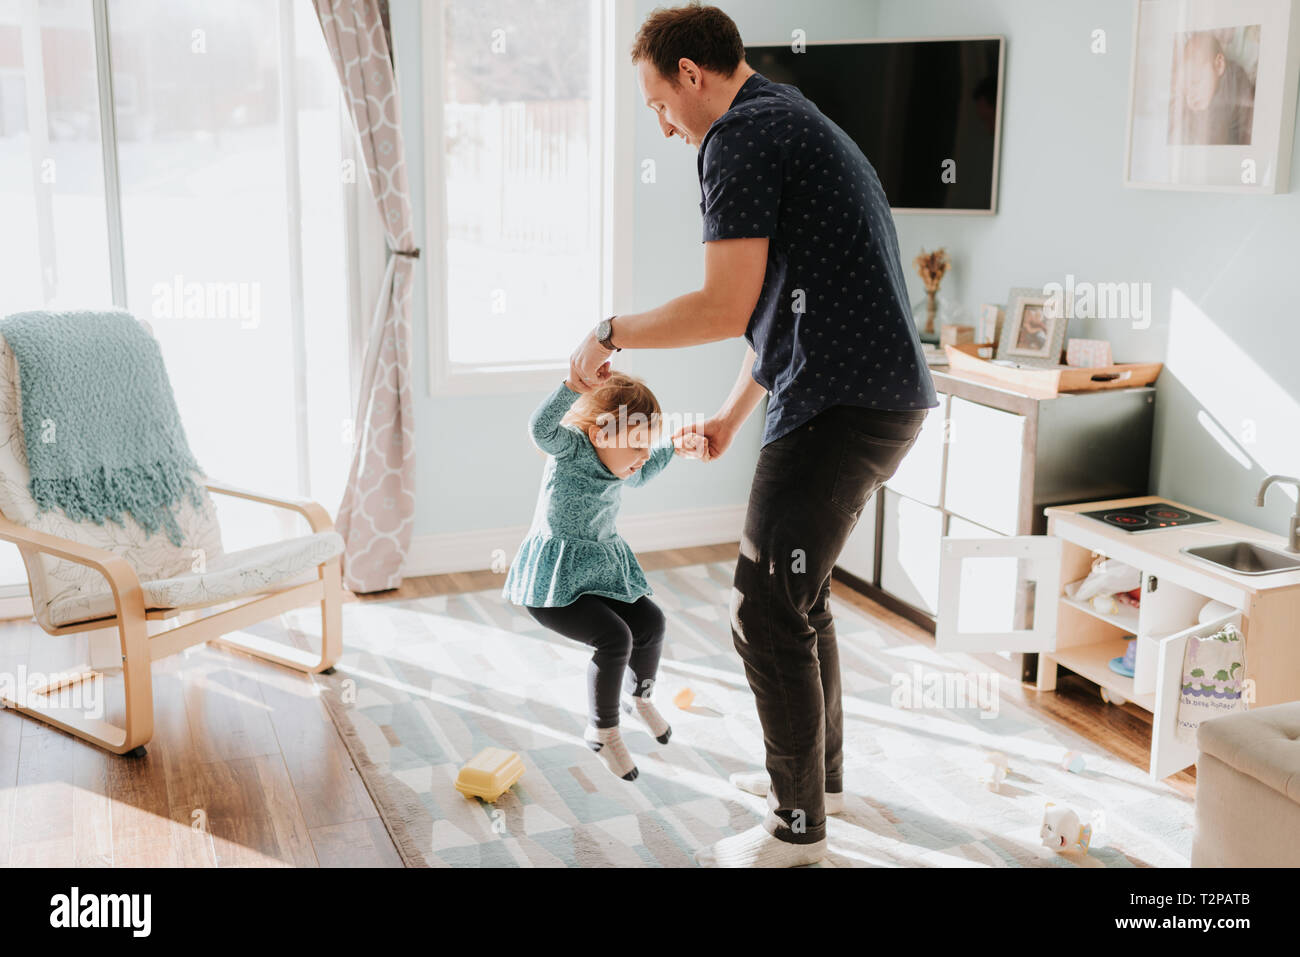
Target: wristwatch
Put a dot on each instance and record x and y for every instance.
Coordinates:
(605, 334)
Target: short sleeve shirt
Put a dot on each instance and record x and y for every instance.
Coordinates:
(832, 325)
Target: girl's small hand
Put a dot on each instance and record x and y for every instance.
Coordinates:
(717, 434)
(691, 445)
(577, 385)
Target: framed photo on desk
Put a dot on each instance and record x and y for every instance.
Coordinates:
(1033, 333)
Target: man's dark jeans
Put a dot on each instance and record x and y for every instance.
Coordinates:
(810, 487)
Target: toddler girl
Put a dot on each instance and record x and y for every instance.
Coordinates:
(574, 574)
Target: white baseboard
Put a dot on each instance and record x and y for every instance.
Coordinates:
(478, 550)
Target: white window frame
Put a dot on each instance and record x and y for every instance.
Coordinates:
(614, 86)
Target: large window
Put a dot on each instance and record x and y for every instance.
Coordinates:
(209, 201)
(516, 93)
(53, 240)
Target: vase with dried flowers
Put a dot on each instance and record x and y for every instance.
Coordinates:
(931, 267)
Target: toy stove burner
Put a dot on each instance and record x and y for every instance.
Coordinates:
(1125, 520)
(1167, 514)
(1148, 518)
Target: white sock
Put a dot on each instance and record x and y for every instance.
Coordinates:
(644, 709)
(609, 747)
(757, 848)
(757, 782)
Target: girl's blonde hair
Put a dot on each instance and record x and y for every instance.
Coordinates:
(620, 398)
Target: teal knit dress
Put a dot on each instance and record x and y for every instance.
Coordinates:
(572, 548)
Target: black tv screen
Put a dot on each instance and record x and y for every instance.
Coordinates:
(917, 109)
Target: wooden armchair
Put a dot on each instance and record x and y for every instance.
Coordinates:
(88, 578)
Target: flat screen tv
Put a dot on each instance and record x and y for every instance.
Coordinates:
(927, 113)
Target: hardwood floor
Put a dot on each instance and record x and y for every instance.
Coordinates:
(246, 769)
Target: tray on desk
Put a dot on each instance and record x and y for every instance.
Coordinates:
(1053, 380)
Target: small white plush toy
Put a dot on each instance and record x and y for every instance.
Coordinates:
(1062, 830)
(1073, 761)
(994, 770)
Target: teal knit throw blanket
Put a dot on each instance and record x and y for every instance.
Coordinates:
(102, 432)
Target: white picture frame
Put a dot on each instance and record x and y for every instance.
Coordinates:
(1041, 346)
(1240, 139)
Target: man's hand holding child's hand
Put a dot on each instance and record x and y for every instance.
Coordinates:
(576, 384)
(691, 445)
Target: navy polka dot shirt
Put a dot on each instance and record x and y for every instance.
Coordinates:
(832, 325)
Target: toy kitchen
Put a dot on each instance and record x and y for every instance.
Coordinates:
(1127, 593)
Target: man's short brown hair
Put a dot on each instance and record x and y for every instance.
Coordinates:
(703, 34)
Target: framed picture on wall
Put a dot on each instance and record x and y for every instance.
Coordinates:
(1033, 332)
(1212, 95)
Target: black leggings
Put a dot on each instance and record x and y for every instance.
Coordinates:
(628, 638)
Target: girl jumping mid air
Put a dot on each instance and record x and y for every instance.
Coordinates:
(574, 574)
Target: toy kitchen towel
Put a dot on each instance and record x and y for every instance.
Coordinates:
(1214, 671)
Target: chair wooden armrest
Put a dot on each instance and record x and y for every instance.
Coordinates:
(313, 512)
(128, 596)
(133, 641)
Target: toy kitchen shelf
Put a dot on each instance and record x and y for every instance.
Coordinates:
(1008, 594)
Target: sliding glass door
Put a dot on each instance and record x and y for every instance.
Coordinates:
(53, 242)
(216, 212)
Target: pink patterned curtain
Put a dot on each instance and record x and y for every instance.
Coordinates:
(378, 507)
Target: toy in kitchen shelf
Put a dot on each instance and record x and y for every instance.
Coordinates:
(1124, 664)
(1113, 604)
(1062, 830)
(1108, 577)
(1104, 604)
(1212, 610)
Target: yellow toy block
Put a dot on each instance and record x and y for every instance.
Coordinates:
(489, 774)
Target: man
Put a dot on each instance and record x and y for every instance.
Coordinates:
(801, 258)
(1214, 102)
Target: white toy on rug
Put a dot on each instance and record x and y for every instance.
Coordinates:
(994, 770)
(1064, 833)
(1073, 762)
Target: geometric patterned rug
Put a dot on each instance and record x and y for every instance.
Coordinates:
(424, 684)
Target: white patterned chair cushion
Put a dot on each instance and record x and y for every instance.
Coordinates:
(165, 570)
(233, 575)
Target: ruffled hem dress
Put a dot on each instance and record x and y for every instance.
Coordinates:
(572, 548)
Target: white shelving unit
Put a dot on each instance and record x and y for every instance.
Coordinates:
(1008, 594)
(987, 462)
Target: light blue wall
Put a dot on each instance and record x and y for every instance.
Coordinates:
(1222, 267)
